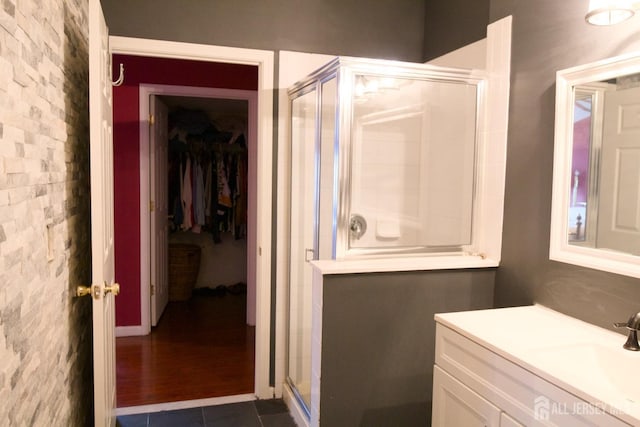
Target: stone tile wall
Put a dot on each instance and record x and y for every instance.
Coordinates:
(45, 333)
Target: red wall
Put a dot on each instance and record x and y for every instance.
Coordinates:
(126, 150)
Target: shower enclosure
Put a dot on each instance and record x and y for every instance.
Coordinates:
(383, 164)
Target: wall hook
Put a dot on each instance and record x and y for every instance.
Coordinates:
(121, 77)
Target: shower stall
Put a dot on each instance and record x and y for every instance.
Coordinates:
(383, 164)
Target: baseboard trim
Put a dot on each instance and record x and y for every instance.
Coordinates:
(130, 331)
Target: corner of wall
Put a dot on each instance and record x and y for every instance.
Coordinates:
(498, 69)
(471, 56)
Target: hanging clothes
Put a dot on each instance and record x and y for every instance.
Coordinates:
(187, 197)
(213, 197)
(240, 218)
(178, 215)
(198, 198)
(211, 166)
(207, 191)
(224, 192)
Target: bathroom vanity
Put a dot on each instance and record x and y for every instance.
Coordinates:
(531, 366)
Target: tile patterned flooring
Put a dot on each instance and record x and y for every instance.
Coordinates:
(259, 413)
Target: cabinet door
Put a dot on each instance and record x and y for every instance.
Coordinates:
(455, 404)
(507, 421)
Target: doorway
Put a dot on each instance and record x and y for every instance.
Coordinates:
(228, 118)
(202, 289)
(263, 62)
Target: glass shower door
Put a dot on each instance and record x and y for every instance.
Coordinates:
(412, 165)
(303, 243)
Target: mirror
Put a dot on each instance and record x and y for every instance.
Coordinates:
(596, 174)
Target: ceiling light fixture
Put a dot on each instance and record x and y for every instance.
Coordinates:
(610, 12)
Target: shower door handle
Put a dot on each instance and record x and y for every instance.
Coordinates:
(308, 255)
(357, 226)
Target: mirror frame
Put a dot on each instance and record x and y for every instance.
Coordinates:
(559, 248)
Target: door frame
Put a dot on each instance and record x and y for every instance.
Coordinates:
(158, 183)
(264, 60)
(145, 195)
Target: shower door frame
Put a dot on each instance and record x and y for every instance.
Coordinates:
(312, 88)
(345, 69)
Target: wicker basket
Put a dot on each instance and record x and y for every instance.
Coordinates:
(184, 265)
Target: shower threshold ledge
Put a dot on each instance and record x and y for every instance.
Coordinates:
(414, 263)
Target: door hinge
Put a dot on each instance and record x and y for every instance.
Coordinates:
(153, 290)
(152, 120)
(152, 206)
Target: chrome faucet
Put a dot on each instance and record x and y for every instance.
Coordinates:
(633, 325)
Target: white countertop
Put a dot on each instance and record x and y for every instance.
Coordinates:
(583, 359)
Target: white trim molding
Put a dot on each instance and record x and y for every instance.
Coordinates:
(264, 60)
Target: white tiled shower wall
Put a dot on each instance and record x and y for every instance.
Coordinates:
(413, 171)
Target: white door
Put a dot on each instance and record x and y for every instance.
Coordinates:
(619, 193)
(103, 288)
(159, 251)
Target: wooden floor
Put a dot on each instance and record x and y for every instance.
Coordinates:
(200, 349)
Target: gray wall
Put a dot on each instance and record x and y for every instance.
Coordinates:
(549, 35)
(390, 29)
(451, 24)
(45, 332)
(45, 343)
(378, 340)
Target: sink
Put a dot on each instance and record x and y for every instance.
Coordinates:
(612, 369)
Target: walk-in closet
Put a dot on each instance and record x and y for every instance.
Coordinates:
(203, 335)
(207, 189)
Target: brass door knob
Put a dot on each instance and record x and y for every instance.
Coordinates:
(114, 289)
(83, 290)
(95, 290)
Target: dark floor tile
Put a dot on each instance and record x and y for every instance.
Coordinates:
(277, 420)
(233, 415)
(182, 418)
(270, 406)
(138, 420)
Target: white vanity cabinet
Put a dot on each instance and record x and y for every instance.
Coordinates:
(478, 384)
(455, 404)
